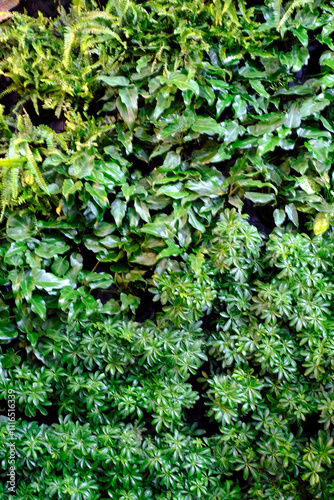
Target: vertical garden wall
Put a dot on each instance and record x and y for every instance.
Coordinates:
(167, 251)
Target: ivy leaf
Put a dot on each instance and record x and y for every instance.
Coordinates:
(60, 266)
(20, 227)
(38, 306)
(67, 296)
(96, 280)
(10, 359)
(48, 281)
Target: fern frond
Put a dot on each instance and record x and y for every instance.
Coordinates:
(33, 167)
(15, 183)
(69, 38)
(294, 5)
(12, 162)
(51, 137)
(8, 90)
(276, 6)
(5, 191)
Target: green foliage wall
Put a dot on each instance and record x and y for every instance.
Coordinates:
(133, 289)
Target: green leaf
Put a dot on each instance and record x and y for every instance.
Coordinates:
(196, 262)
(181, 81)
(115, 172)
(20, 227)
(127, 105)
(145, 259)
(70, 187)
(10, 359)
(48, 281)
(292, 213)
(51, 247)
(279, 216)
(82, 166)
(27, 287)
(172, 161)
(114, 81)
(320, 224)
(312, 106)
(261, 198)
(118, 210)
(208, 126)
(142, 210)
(327, 58)
(293, 117)
(60, 266)
(172, 190)
(98, 193)
(195, 222)
(33, 337)
(38, 306)
(266, 126)
(96, 280)
(172, 249)
(67, 296)
(259, 88)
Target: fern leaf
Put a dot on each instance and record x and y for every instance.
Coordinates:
(33, 167)
(15, 183)
(12, 162)
(294, 5)
(69, 38)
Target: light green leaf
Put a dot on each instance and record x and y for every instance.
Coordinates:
(279, 216)
(127, 105)
(70, 187)
(261, 198)
(292, 213)
(51, 247)
(196, 262)
(114, 171)
(48, 281)
(82, 166)
(118, 210)
(96, 280)
(181, 81)
(208, 126)
(145, 259)
(98, 193)
(320, 224)
(67, 297)
(114, 81)
(172, 190)
(20, 227)
(259, 88)
(142, 210)
(10, 359)
(172, 249)
(60, 266)
(38, 306)
(327, 58)
(293, 117)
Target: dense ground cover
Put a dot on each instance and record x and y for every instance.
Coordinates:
(166, 271)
